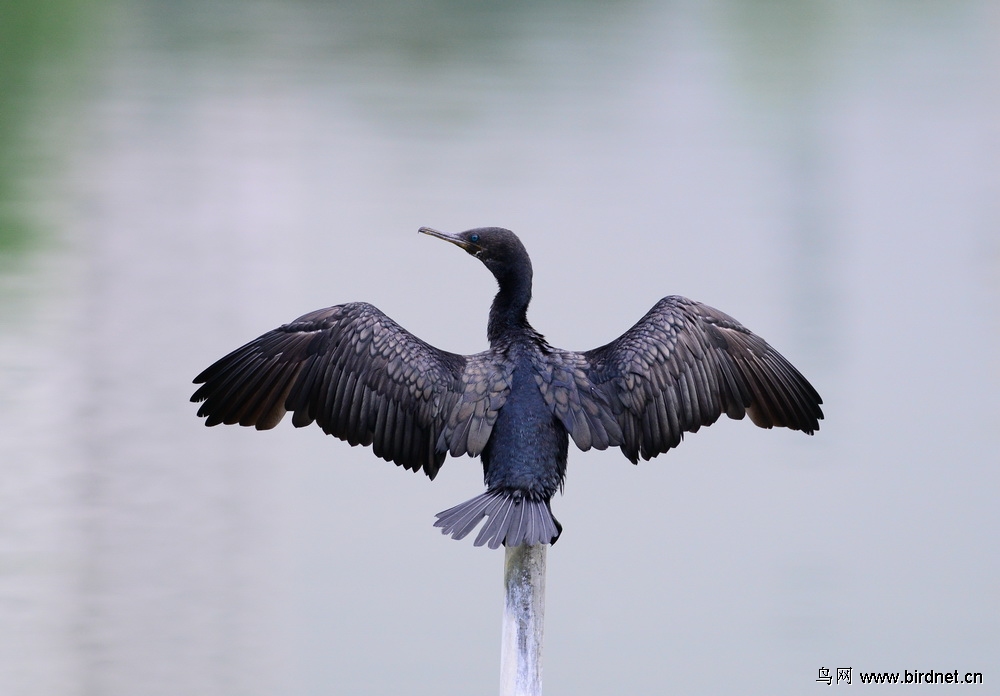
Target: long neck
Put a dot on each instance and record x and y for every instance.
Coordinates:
(508, 315)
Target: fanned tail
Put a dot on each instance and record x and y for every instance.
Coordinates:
(512, 519)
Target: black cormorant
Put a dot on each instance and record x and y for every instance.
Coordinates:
(363, 378)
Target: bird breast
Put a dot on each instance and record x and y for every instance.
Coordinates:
(528, 447)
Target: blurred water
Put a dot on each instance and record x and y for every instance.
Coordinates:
(176, 178)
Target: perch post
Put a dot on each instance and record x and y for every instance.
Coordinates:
(523, 615)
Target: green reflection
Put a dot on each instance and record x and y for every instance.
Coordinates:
(429, 66)
(40, 49)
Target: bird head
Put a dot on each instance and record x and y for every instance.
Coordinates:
(499, 249)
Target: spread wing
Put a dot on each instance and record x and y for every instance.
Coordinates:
(679, 368)
(362, 378)
(588, 411)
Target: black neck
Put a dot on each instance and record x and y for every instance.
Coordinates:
(509, 313)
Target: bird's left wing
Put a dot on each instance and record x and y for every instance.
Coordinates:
(679, 368)
(587, 410)
(364, 379)
(682, 366)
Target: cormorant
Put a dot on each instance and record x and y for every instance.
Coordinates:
(365, 379)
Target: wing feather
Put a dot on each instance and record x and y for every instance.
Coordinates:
(682, 366)
(585, 411)
(362, 378)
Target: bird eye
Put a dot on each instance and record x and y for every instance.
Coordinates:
(474, 238)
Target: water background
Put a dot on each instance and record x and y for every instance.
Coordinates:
(179, 177)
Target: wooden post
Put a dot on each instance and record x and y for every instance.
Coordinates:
(523, 614)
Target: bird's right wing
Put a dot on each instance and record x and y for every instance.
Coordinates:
(682, 366)
(364, 379)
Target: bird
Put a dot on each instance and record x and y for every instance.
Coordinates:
(363, 378)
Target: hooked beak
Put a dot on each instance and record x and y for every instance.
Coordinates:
(453, 238)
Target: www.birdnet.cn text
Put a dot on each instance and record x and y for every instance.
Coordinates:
(847, 675)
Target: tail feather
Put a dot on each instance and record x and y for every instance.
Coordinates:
(499, 518)
(512, 519)
(464, 518)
